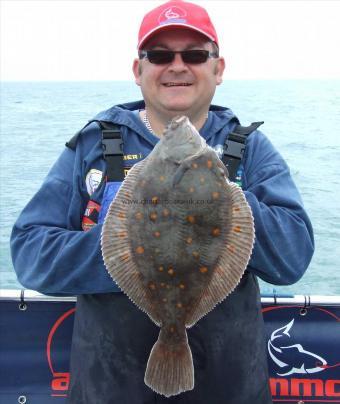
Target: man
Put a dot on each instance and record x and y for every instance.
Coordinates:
(56, 243)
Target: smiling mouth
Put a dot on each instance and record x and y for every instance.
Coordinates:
(177, 84)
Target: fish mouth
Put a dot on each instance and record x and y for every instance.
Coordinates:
(178, 84)
(178, 121)
(175, 123)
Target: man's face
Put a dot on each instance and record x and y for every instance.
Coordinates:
(178, 87)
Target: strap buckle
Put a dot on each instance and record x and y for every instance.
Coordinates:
(112, 143)
(235, 146)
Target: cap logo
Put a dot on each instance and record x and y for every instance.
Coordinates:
(172, 15)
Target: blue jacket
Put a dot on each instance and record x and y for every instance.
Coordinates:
(51, 253)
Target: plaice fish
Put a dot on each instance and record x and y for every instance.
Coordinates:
(177, 239)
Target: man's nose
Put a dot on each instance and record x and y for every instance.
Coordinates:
(177, 64)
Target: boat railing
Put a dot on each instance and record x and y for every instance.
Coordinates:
(272, 299)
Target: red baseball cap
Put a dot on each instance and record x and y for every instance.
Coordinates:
(176, 13)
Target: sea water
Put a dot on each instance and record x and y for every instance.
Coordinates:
(302, 120)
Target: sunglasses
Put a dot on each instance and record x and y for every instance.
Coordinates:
(162, 57)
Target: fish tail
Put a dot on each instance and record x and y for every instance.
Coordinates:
(170, 369)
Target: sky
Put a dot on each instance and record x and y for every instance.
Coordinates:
(96, 39)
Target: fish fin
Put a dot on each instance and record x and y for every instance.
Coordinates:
(170, 369)
(116, 247)
(238, 241)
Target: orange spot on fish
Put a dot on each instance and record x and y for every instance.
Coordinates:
(179, 305)
(171, 271)
(160, 269)
(122, 234)
(156, 233)
(152, 286)
(153, 216)
(189, 240)
(139, 215)
(121, 215)
(203, 270)
(195, 254)
(216, 232)
(181, 286)
(191, 219)
(209, 164)
(236, 209)
(162, 178)
(191, 189)
(140, 250)
(215, 195)
(194, 165)
(237, 229)
(166, 212)
(154, 200)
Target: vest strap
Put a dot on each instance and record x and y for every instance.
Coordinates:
(234, 147)
(112, 145)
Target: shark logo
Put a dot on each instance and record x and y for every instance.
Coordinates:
(283, 355)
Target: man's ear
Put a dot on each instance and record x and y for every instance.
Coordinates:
(137, 71)
(219, 69)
